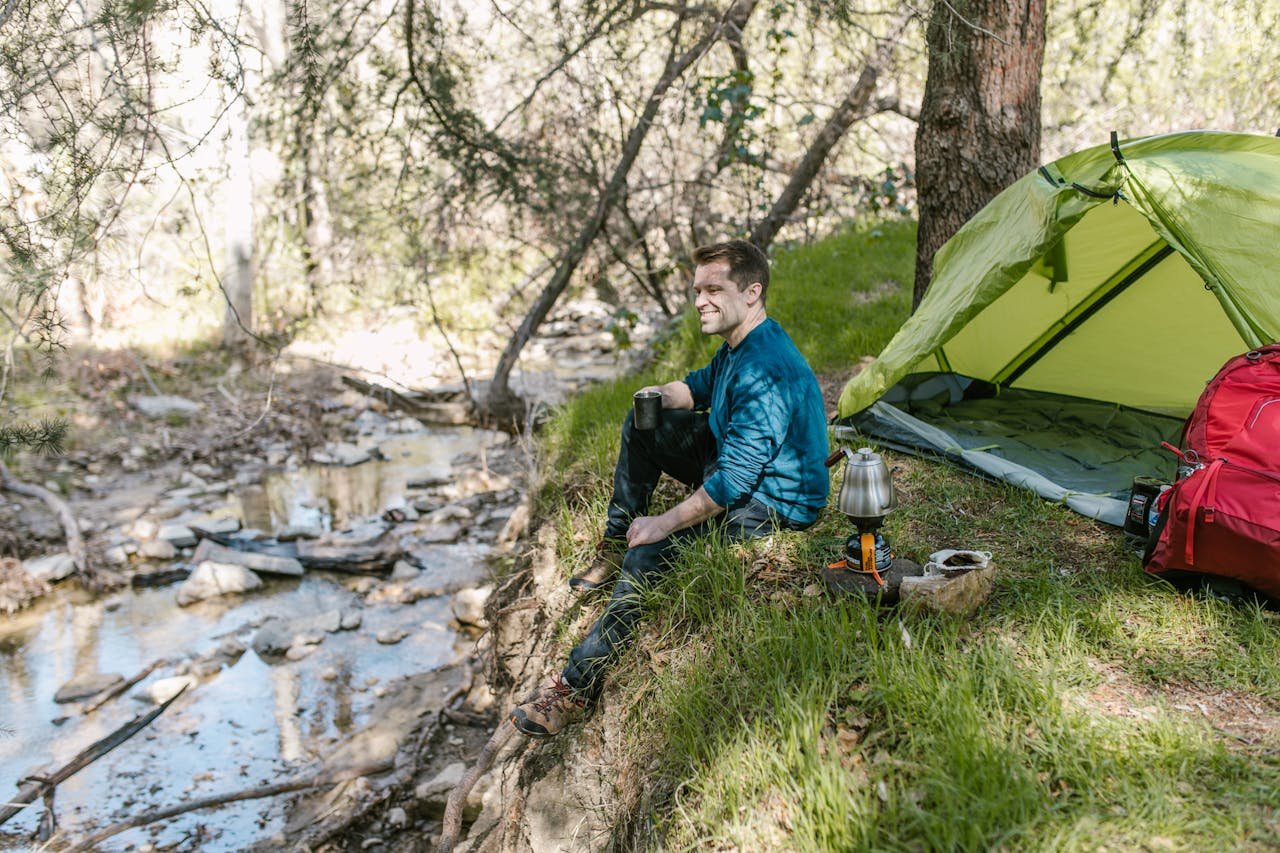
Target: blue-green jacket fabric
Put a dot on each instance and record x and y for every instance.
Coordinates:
(766, 413)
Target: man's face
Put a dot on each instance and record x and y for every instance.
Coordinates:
(722, 308)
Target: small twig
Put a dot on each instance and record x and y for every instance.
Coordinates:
(146, 374)
(236, 796)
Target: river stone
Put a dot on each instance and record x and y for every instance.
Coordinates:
(266, 563)
(144, 528)
(212, 579)
(278, 636)
(403, 571)
(342, 453)
(50, 568)
(84, 686)
(391, 636)
(299, 531)
(163, 405)
(178, 535)
(164, 689)
(299, 652)
(158, 549)
(223, 525)
(468, 606)
(192, 481)
(351, 619)
(438, 789)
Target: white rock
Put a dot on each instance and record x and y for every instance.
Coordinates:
(224, 525)
(391, 636)
(164, 689)
(116, 555)
(300, 652)
(397, 817)
(342, 453)
(192, 481)
(468, 606)
(50, 568)
(144, 528)
(403, 571)
(200, 469)
(351, 620)
(212, 579)
(442, 784)
(163, 405)
(178, 535)
(158, 549)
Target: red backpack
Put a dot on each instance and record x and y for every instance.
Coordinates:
(1223, 518)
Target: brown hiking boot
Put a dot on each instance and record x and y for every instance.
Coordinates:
(607, 562)
(548, 710)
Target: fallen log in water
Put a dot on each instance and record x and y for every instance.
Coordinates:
(448, 407)
(29, 789)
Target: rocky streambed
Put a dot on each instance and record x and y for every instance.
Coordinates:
(314, 616)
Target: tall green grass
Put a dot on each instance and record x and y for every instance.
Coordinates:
(1082, 707)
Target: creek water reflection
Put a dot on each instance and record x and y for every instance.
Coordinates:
(253, 721)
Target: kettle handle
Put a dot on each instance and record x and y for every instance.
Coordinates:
(834, 457)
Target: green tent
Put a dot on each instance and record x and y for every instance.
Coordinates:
(1071, 324)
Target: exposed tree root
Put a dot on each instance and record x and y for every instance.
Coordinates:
(94, 579)
(453, 809)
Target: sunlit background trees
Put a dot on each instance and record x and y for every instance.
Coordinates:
(262, 174)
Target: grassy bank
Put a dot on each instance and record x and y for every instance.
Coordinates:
(1083, 707)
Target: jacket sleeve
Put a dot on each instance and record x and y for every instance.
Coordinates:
(759, 417)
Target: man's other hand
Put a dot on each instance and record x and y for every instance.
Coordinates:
(647, 529)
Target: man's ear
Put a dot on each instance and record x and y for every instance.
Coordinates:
(753, 292)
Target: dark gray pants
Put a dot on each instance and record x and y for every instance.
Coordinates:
(681, 447)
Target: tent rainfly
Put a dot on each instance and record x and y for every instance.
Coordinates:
(1071, 325)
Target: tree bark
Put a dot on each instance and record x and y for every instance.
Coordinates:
(979, 125)
(237, 218)
(500, 402)
(857, 104)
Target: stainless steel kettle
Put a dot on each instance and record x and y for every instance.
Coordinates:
(867, 491)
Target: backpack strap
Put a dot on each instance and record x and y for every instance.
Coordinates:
(1204, 496)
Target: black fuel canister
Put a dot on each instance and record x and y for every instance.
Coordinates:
(1142, 498)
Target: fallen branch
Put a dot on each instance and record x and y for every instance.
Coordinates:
(234, 797)
(458, 799)
(32, 787)
(111, 693)
(70, 526)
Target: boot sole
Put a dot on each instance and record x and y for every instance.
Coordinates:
(535, 731)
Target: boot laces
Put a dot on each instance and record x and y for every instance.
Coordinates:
(556, 693)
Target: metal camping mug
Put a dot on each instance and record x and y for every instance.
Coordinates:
(648, 409)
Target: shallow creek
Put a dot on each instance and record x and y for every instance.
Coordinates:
(251, 721)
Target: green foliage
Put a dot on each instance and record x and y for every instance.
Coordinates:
(1065, 714)
(43, 437)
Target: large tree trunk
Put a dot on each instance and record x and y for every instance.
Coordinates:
(980, 119)
(501, 404)
(857, 104)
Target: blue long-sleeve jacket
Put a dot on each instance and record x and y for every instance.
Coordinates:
(766, 413)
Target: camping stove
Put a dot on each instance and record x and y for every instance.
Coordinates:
(866, 496)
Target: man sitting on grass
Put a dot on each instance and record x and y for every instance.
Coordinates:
(748, 430)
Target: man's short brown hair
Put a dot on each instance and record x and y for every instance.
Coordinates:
(747, 264)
